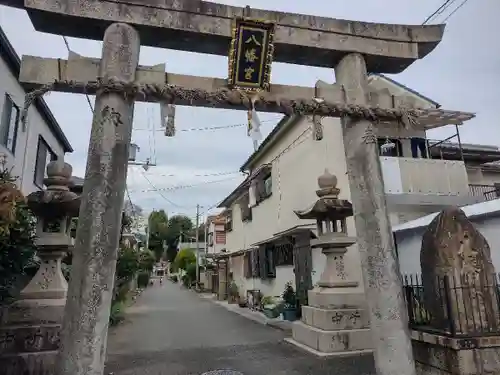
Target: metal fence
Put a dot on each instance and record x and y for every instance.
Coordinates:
(456, 306)
(487, 192)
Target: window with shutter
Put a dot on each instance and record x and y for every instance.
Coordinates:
(254, 258)
(247, 264)
(284, 254)
(246, 212)
(271, 263)
(263, 271)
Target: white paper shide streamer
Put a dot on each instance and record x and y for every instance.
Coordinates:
(254, 125)
(168, 118)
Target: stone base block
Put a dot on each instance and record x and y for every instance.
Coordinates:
(33, 312)
(332, 341)
(29, 339)
(41, 363)
(328, 298)
(439, 355)
(335, 319)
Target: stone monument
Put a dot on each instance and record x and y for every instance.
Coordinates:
(461, 334)
(30, 331)
(456, 261)
(336, 321)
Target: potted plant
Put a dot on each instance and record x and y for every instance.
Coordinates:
(242, 301)
(289, 303)
(269, 307)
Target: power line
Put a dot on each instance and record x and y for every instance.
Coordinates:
(202, 175)
(159, 192)
(456, 9)
(438, 11)
(180, 187)
(206, 128)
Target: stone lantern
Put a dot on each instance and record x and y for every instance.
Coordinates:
(54, 209)
(335, 322)
(32, 323)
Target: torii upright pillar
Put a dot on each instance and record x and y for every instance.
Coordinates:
(383, 285)
(85, 324)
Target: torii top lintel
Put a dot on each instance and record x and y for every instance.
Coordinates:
(205, 27)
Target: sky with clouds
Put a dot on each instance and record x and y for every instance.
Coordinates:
(200, 166)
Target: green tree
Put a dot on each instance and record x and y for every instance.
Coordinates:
(178, 226)
(127, 264)
(158, 231)
(184, 258)
(147, 260)
(17, 233)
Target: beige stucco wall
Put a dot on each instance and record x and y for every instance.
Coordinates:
(294, 178)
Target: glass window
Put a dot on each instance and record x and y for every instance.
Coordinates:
(44, 155)
(9, 124)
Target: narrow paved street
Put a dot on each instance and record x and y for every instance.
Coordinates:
(171, 331)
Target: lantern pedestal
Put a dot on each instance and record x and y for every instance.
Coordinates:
(336, 321)
(30, 326)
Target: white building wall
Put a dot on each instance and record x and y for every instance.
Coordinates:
(24, 163)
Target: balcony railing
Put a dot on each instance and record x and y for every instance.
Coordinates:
(487, 192)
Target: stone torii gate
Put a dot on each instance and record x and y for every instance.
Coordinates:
(351, 48)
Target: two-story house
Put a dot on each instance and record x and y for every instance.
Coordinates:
(216, 234)
(267, 245)
(26, 149)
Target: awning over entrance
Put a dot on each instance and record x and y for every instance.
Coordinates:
(290, 232)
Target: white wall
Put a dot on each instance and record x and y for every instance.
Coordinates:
(24, 165)
(410, 242)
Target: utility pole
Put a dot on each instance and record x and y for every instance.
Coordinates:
(197, 244)
(206, 234)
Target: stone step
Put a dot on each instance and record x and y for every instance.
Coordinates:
(38, 363)
(332, 341)
(335, 319)
(21, 339)
(343, 354)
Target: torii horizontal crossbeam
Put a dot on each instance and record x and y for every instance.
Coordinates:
(79, 75)
(205, 27)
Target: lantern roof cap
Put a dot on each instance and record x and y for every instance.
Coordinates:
(57, 200)
(328, 206)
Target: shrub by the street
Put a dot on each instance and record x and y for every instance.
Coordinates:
(174, 278)
(143, 279)
(147, 260)
(117, 313)
(17, 233)
(191, 271)
(183, 258)
(185, 280)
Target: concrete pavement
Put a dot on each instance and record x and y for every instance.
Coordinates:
(171, 331)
